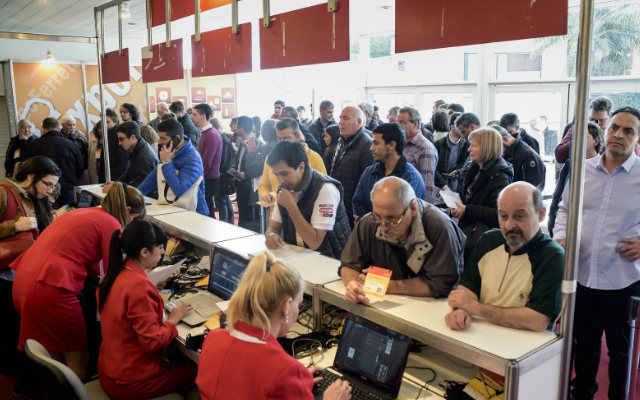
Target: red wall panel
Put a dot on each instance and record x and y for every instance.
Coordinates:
(180, 9)
(221, 52)
(311, 35)
(432, 24)
(115, 67)
(164, 64)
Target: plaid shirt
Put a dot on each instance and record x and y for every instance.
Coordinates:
(422, 154)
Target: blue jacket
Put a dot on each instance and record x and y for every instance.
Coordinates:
(373, 173)
(189, 165)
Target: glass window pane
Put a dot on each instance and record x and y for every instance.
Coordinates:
(387, 100)
(463, 98)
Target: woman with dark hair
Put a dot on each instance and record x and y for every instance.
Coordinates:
(440, 124)
(23, 201)
(96, 163)
(50, 275)
(595, 143)
(131, 364)
(129, 112)
(331, 137)
(257, 123)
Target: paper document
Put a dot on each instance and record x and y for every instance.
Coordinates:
(223, 305)
(289, 252)
(450, 197)
(161, 274)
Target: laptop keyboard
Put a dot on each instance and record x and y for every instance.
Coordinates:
(202, 304)
(357, 392)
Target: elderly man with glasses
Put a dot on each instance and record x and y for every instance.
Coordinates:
(414, 239)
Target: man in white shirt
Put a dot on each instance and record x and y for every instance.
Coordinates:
(309, 210)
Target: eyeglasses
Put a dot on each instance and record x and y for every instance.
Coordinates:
(390, 221)
(49, 185)
(598, 120)
(121, 138)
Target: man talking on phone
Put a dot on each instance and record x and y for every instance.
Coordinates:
(180, 162)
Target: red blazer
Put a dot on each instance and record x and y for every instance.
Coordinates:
(232, 368)
(70, 247)
(133, 334)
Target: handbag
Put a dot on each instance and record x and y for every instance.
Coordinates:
(473, 233)
(188, 200)
(12, 246)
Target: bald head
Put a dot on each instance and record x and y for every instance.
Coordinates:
(392, 198)
(162, 108)
(520, 212)
(351, 120)
(393, 190)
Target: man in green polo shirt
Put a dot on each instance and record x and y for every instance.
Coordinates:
(513, 276)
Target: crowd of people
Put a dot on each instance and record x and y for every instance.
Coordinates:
(360, 190)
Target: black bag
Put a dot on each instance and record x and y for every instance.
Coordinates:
(473, 233)
(226, 185)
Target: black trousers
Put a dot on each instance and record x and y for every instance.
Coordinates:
(210, 186)
(599, 311)
(243, 196)
(10, 357)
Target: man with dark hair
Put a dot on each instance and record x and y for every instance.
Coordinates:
(302, 118)
(64, 153)
(455, 107)
(513, 276)
(511, 123)
(189, 129)
(599, 112)
(420, 244)
(352, 155)
(278, 105)
(181, 165)
(118, 157)
(210, 149)
(388, 145)
(310, 140)
(609, 260)
(453, 151)
(244, 186)
(420, 152)
(318, 127)
(309, 211)
(527, 164)
(286, 130)
(467, 123)
(142, 158)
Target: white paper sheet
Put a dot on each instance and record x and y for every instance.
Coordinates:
(161, 274)
(450, 198)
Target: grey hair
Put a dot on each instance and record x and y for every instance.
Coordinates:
(367, 108)
(503, 132)
(404, 193)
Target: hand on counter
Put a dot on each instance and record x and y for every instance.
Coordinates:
(273, 241)
(458, 319)
(179, 312)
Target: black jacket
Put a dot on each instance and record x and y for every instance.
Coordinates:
(335, 239)
(530, 140)
(16, 152)
(443, 158)
(63, 152)
(81, 141)
(527, 164)
(349, 163)
(317, 130)
(255, 161)
(118, 157)
(142, 161)
(481, 196)
(190, 129)
(309, 139)
(565, 173)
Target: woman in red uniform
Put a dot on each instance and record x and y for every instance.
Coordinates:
(131, 364)
(52, 272)
(246, 361)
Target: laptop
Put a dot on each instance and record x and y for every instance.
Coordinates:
(85, 199)
(227, 269)
(371, 357)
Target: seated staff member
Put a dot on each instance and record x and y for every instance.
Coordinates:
(513, 276)
(180, 162)
(414, 239)
(131, 364)
(387, 148)
(286, 130)
(245, 361)
(142, 158)
(309, 210)
(53, 271)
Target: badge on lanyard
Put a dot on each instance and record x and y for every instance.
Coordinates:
(98, 153)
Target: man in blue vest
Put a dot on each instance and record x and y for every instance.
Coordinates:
(309, 210)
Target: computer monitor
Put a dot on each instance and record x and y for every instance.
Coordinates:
(227, 269)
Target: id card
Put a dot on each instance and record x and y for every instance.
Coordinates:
(377, 281)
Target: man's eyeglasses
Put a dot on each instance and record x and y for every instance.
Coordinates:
(49, 185)
(390, 221)
(121, 138)
(598, 120)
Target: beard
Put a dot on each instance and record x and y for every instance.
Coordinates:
(514, 238)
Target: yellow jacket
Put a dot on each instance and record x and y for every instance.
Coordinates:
(269, 183)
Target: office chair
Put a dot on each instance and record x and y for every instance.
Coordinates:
(62, 383)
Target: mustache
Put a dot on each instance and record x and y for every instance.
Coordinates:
(514, 231)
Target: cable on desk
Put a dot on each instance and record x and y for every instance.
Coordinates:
(424, 384)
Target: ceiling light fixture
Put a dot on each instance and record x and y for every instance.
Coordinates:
(49, 59)
(124, 10)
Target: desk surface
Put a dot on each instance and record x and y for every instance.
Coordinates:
(428, 313)
(201, 227)
(315, 269)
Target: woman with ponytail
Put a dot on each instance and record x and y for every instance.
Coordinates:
(50, 274)
(246, 361)
(131, 364)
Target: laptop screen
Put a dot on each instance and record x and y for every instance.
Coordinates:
(226, 271)
(373, 351)
(84, 199)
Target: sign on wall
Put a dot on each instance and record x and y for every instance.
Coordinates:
(222, 52)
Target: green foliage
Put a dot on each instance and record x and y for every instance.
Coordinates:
(616, 34)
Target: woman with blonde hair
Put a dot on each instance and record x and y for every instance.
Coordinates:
(487, 175)
(245, 361)
(150, 136)
(51, 273)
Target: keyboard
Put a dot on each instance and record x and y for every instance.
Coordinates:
(357, 391)
(203, 304)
